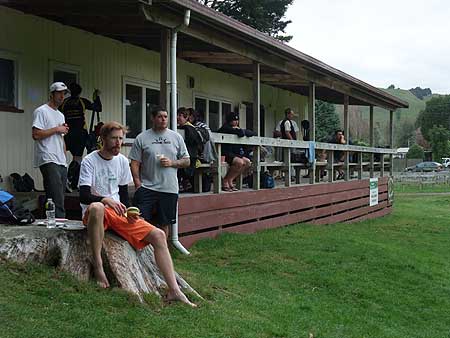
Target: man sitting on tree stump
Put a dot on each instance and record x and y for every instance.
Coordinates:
(104, 178)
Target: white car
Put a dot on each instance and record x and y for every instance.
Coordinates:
(446, 162)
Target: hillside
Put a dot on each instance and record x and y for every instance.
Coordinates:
(359, 115)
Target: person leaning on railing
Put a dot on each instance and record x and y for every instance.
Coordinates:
(235, 154)
(193, 144)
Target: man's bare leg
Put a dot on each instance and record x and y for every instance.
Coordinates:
(234, 171)
(163, 260)
(96, 234)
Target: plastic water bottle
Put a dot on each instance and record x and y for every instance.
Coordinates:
(50, 212)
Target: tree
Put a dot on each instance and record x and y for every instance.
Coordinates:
(263, 15)
(327, 120)
(436, 113)
(439, 137)
(415, 151)
(405, 134)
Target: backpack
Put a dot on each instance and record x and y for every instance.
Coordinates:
(267, 181)
(283, 129)
(12, 214)
(23, 183)
(202, 131)
(207, 152)
(93, 140)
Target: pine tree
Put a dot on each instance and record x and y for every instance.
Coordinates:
(327, 121)
(263, 15)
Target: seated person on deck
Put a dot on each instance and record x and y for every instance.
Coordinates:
(234, 153)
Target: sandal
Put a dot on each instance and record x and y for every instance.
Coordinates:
(233, 188)
(227, 189)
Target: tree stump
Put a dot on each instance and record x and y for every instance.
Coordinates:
(134, 271)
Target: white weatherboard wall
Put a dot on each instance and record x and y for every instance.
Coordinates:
(103, 63)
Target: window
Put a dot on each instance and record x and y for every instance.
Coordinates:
(64, 76)
(213, 110)
(249, 117)
(62, 72)
(9, 82)
(140, 99)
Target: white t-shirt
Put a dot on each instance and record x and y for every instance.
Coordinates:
(104, 176)
(49, 149)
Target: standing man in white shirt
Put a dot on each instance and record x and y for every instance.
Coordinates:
(49, 128)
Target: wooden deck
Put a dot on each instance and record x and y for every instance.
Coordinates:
(207, 216)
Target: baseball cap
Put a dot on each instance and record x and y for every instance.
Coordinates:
(232, 117)
(58, 87)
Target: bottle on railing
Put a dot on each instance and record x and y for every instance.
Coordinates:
(50, 212)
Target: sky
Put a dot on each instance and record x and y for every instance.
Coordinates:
(399, 42)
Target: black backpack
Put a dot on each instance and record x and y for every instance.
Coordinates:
(11, 213)
(23, 183)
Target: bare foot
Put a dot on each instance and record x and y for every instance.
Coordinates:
(100, 276)
(179, 296)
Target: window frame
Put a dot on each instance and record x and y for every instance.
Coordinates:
(17, 104)
(54, 65)
(220, 100)
(143, 84)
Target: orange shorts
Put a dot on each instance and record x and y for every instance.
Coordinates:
(133, 233)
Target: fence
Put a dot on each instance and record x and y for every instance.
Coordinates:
(364, 159)
(422, 180)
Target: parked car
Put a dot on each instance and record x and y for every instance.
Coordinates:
(426, 166)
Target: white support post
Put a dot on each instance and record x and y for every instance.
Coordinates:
(346, 132)
(164, 61)
(256, 124)
(391, 142)
(372, 142)
(312, 126)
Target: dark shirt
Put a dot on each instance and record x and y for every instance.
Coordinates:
(235, 149)
(283, 130)
(73, 109)
(193, 142)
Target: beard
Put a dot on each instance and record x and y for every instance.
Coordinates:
(114, 150)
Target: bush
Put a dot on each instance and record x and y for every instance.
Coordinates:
(415, 151)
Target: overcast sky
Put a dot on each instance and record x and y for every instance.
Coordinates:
(400, 42)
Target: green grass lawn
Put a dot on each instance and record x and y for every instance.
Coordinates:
(388, 277)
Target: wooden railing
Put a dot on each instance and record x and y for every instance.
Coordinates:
(362, 164)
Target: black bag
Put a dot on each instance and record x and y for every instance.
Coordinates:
(23, 183)
(11, 213)
(93, 141)
(267, 181)
(299, 156)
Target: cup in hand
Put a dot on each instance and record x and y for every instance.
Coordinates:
(67, 128)
(160, 157)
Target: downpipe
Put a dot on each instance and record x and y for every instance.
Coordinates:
(173, 110)
(173, 95)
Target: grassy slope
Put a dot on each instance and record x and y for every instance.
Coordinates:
(381, 278)
(406, 114)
